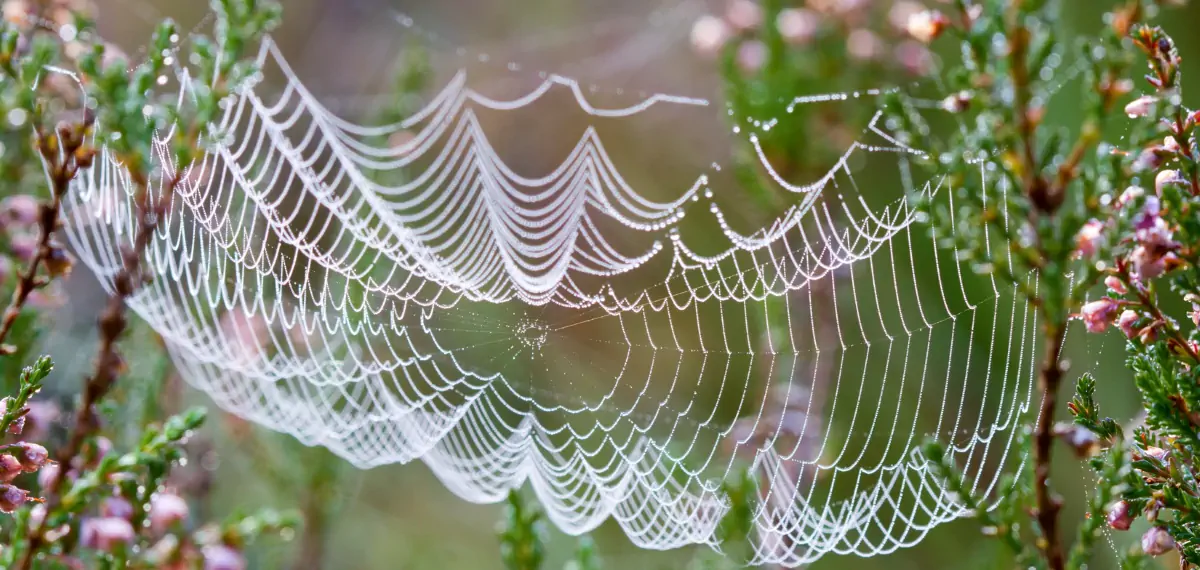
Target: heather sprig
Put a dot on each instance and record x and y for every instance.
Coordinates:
(1044, 219)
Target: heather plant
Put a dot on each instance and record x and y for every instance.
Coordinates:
(69, 495)
(1098, 210)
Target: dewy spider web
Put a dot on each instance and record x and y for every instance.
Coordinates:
(424, 301)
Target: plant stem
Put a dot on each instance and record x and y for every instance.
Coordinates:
(1048, 504)
(112, 324)
(61, 175)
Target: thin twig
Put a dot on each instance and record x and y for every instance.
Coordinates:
(109, 364)
(1048, 504)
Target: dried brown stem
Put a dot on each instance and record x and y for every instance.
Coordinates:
(62, 167)
(1048, 503)
(109, 364)
(29, 281)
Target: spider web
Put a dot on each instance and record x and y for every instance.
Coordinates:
(423, 300)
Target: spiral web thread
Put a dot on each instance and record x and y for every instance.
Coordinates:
(484, 323)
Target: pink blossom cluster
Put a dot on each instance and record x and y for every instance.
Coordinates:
(743, 21)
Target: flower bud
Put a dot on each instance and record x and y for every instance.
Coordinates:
(864, 45)
(23, 246)
(1115, 285)
(1171, 145)
(1120, 516)
(1098, 314)
(105, 533)
(797, 26)
(1141, 106)
(31, 455)
(1130, 194)
(709, 35)
(744, 15)
(222, 557)
(116, 507)
(10, 468)
(1127, 321)
(12, 498)
(900, 13)
(927, 25)
(1157, 541)
(166, 509)
(1089, 238)
(751, 56)
(914, 57)
(1156, 452)
(1164, 178)
(47, 474)
(19, 210)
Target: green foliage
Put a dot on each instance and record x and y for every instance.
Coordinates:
(16, 408)
(522, 535)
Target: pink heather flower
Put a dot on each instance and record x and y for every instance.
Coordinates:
(1098, 314)
(751, 56)
(1130, 194)
(1141, 106)
(39, 419)
(914, 57)
(222, 557)
(10, 468)
(20, 210)
(1146, 263)
(901, 12)
(166, 509)
(37, 514)
(797, 26)
(1156, 452)
(864, 45)
(16, 12)
(927, 25)
(1148, 335)
(23, 246)
(1157, 541)
(1115, 285)
(744, 15)
(47, 474)
(1120, 516)
(1155, 246)
(31, 455)
(1164, 178)
(12, 498)
(116, 507)
(1148, 159)
(1089, 238)
(1171, 145)
(105, 533)
(709, 35)
(1148, 217)
(1126, 323)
